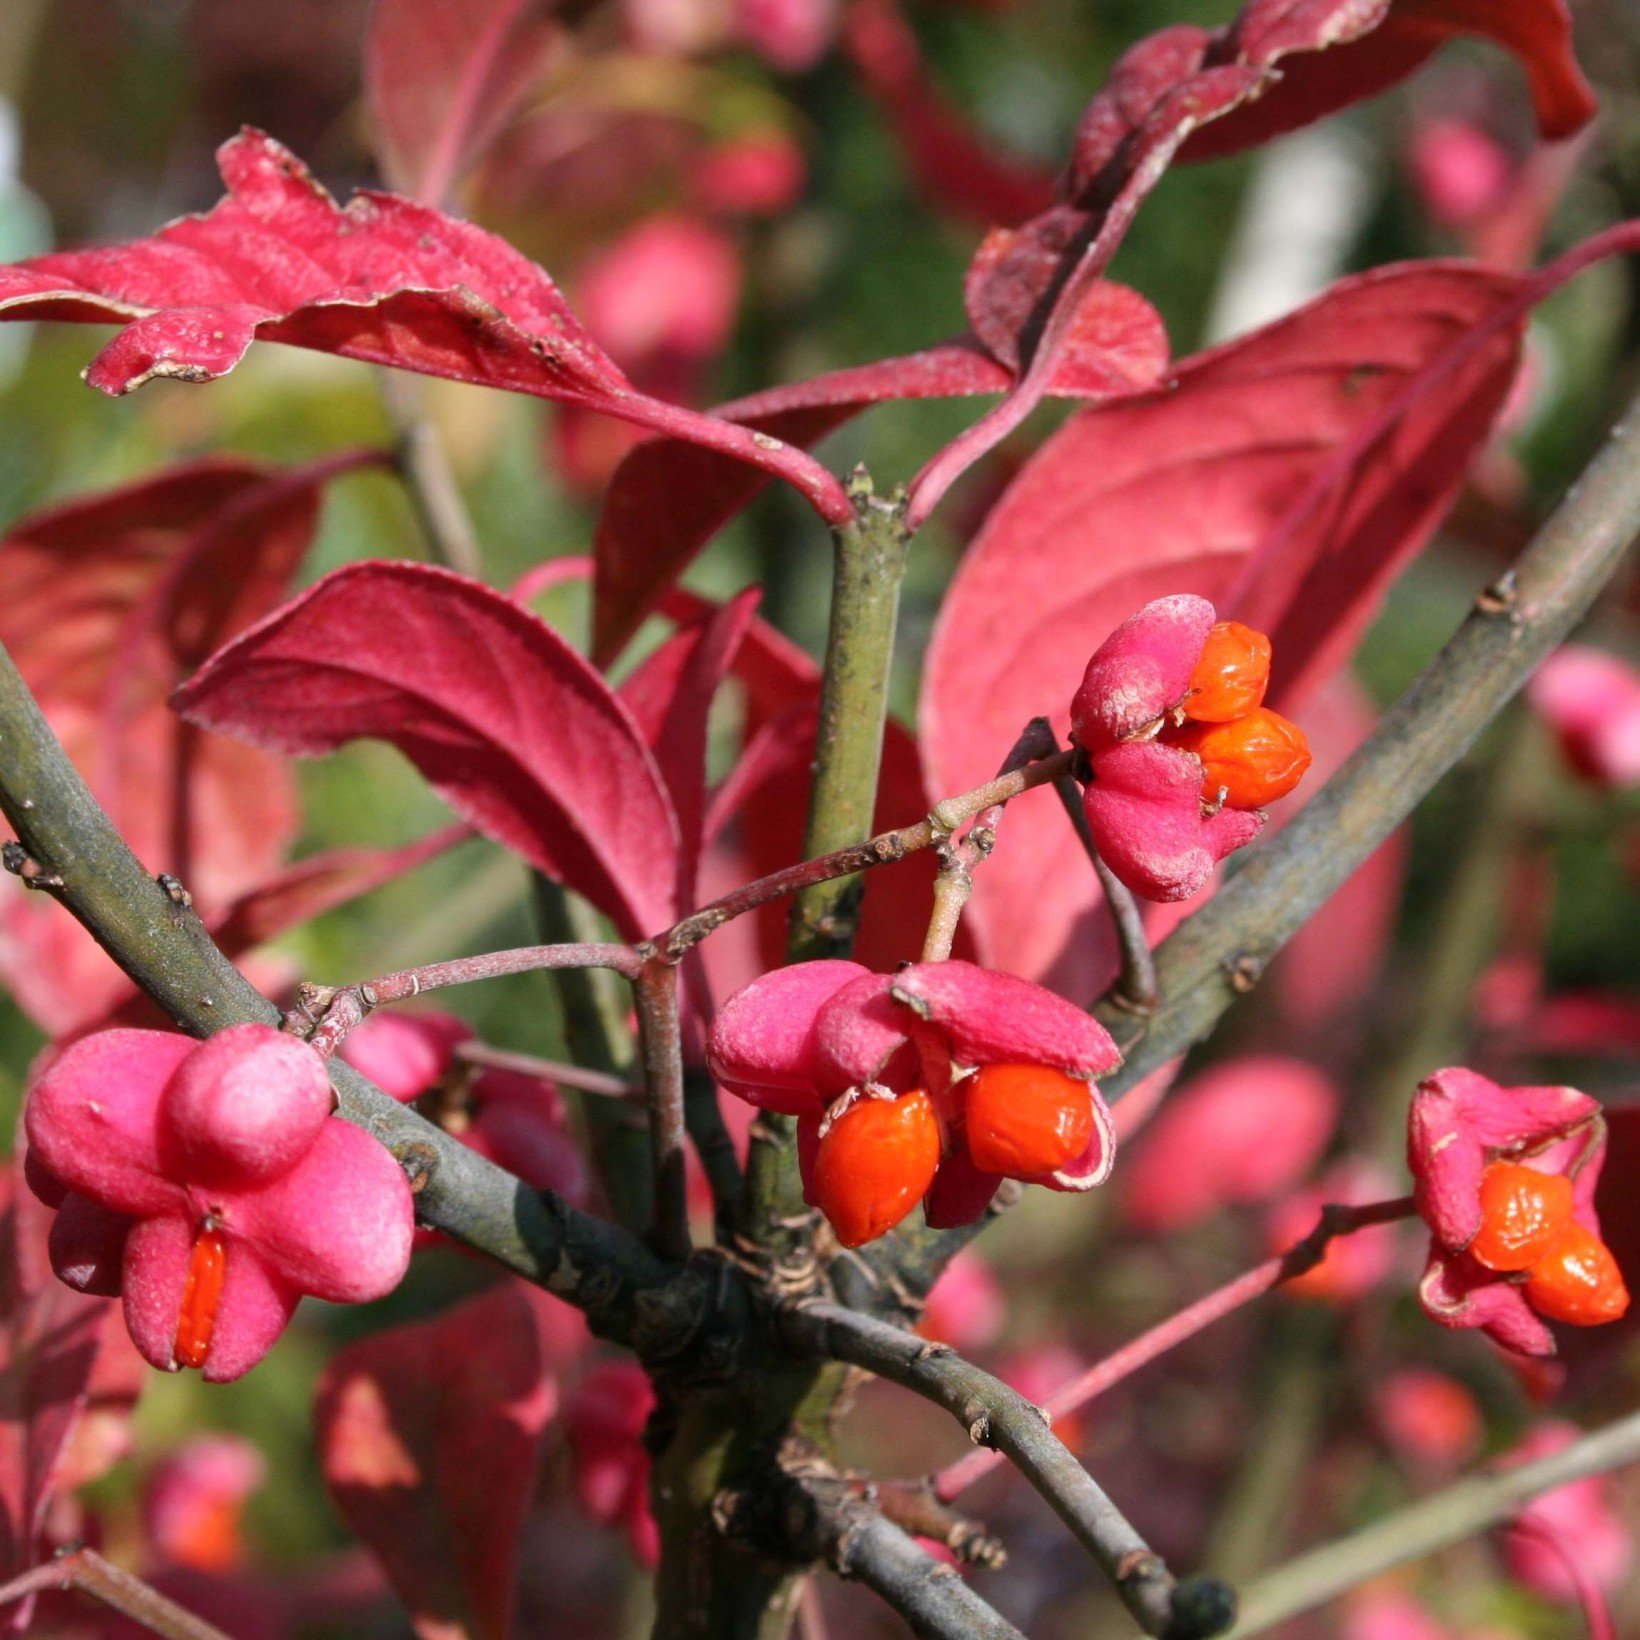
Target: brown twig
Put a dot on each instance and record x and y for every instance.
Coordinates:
(325, 1014)
(660, 1044)
(995, 1415)
(1135, 987)
(87, 1571)
(599, 1083)
(954, 882)
(1335, 1220)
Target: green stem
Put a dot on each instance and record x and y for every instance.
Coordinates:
(1448, 1517)
(868, 567)
(595, 1035)
(707, 1585)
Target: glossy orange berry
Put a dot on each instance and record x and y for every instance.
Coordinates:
(1231, 676)
(1522, 1212)
(874, 1164)
(1026, 1120)
(1578, 1280)
(201, 1295)
(1254, 760)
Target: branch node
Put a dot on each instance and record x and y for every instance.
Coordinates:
(1501, 598)
(174, 891)
(22, 865)
(1244, 971)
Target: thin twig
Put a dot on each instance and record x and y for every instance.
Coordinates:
(917, 1507)
(599, 1083)
(1135, 987)
(995, 1415)
(1448, 1517)
(338, 1009)
(87, 1571)
(931, 1597)
(423, 465)
(1335, 1220)
(954, 882)
(830, 1520)
(660, 1044)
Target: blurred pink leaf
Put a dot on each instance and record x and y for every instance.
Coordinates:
(111, 600)
(670, 698)
(955, 168)
(669, 498)
(511, 727)
(1202, 485)
(318, 884)
(430, 1438)
(49, 1344)
(385, 281)
(443, 78)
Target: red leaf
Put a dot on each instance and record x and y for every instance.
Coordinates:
(430, 1438)
(319, 884)
(1314, 84)
(49, 1346)
(669, 498)
(385, 281)
(670, 698)
(111, 601)
(512, 728)
(1263, 72)
(956, 168)
(1255, 457)
(443, 78)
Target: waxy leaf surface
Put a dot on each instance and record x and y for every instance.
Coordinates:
(512, 728)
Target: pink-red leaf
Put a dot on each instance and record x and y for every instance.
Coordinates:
(384, 280)
(513, 728)
(111, 600)
(670, 698)
(430, 1437)
(443, 78)
(50, 1341)
(1298, 448)
(318, 884)
(1281, 64)
(669, 498)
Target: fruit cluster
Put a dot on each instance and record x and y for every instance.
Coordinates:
(1250, 755)
(1505, 1178)
(1528, 1228)
(874, 1160)
(1180, 753)
(932, 1084)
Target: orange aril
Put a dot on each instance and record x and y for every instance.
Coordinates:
(1231, 676)
(1026, 1120)
(1522, 1212)
(1253, 761)
(1578, 1280)
(201, 1295)
(874, 1163)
